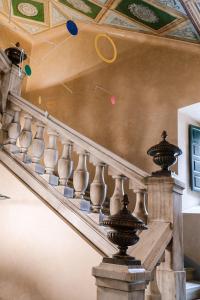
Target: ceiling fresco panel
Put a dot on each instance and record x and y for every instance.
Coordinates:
(57, 17)
(86, 7)
(29, 9)
(145, 13)
(117, 20)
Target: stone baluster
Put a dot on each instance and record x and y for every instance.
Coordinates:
(6, 120)
(152, 291)
(37, 148)
(98, 188)
(81, 180)
(116, 199)
(13, 131)
(51, 158)
(65, 169)
(25, 139)
(140, 206)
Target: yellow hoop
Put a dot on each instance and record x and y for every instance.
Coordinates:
(109, 61)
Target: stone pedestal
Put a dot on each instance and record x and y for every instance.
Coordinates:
(82, 204)
(65, 191)
(51, 179)
(38, 168)
(119, 282)
(11, 148)
(24, 157)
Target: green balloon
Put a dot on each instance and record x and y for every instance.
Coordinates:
(28, 70)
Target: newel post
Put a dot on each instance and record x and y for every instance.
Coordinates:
(122, 277)
(165, 205)
(12, 79)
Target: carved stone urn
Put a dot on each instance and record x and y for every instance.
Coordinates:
(123, 233)
(164, 155)
(15, 54)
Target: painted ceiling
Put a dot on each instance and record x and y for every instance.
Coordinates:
(169, 18)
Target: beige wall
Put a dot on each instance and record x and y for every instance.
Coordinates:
(42, 258)
(151, 78)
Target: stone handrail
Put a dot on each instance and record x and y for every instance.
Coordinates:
(114, 161)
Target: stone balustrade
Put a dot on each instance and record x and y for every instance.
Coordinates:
(59, 162)
(46, 146)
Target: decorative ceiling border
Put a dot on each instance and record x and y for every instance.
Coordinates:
(166, 18)
(192, 8)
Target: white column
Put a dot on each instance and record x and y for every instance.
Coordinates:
(65, 169)
(98, 188)
(81, 180)
(37, 148)
(116, 199)
(13, 131)
(118, 282)
(65, 163)
(81, 176)
(51, 158)
(25, 138)
(140, 206)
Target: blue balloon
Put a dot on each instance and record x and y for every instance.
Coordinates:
(71, 27)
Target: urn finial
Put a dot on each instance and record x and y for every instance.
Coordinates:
(123, 233)
(164, 155)
(15, 54)
(164, 135)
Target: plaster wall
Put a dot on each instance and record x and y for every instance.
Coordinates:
(151, 79)
(42, 258)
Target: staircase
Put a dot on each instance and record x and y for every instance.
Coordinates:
(42, 152)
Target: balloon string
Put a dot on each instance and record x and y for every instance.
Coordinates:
(54, 48)
(58, 45)
(67, 88)
(103, 89)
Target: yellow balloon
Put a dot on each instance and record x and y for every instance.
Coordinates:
(109, 61)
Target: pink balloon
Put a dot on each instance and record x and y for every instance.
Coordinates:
(113, 99)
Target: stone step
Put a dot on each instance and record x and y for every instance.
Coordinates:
(192, 290)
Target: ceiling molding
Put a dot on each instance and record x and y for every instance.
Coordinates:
(192, 8)
(164, 18)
